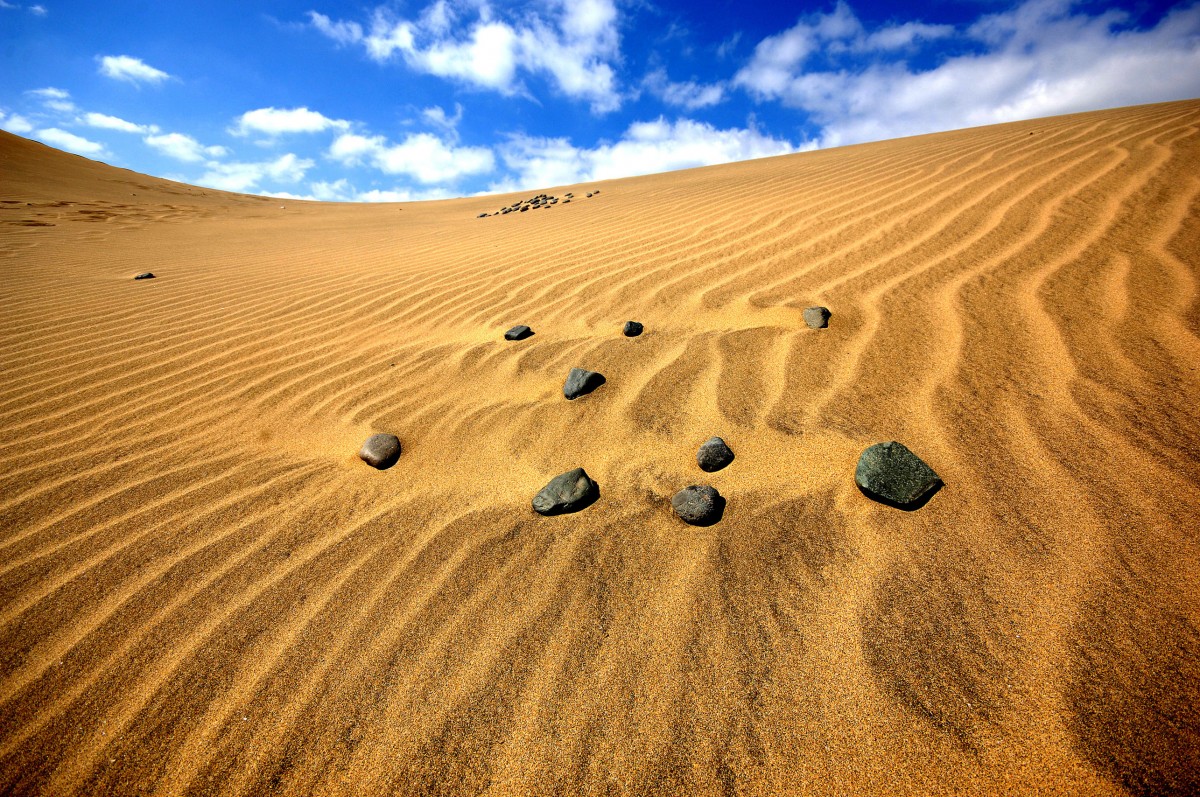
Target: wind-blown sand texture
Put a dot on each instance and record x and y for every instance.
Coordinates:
(204, 591)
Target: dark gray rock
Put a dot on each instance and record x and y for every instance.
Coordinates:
(566, 201)
(482, 216)
(519, 332)
(714, 454)
(817, 317)
(633, 329)
(589, 195)
(580, 382)
(146, 275)
(893, 475)
(699, 505)
(524, 208)
(566, 492)
(380, 451)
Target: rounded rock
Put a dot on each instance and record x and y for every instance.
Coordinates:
(580, 382)
(380, 451)
(714, 454)
(566, 492)
(699, 505)
(892, 474)
(817, 317)
(633, 329)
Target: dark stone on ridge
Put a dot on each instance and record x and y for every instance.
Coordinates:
(699, 505)
(566, 492)
(893, 475)
(380, 450)
(580, 382)
(145, 275)
(817, 317)
(633, 329)
(519, 332)
(714, 454)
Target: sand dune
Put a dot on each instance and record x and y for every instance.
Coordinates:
(204, 591)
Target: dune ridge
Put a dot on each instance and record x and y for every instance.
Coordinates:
(203, 591)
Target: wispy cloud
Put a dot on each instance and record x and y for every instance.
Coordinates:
(15, 123)
(130, 69)
(422, 156)
(278, 121)
(53, 98)
(645, 148)
(247, 176)
(573, 44)
(1039, 59)
(106, 122)
(70, 142)
(690, 94)
(184, 148)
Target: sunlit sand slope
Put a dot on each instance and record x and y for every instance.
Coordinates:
(204, 591)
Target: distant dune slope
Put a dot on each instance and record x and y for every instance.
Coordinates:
(204, 591)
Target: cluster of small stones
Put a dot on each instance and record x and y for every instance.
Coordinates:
(534, 203)
(887, 472)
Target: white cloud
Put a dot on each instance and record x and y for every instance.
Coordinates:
(645, 148)
(55, 99)
(134, 70)
(38, 10)
(15, 123)
(69, 141)
(277, 121)
(246, 177)
(437, 117)
(571, 43)
(690, 94)
(1039, 59)
(183, 147)
(422, 156)
(106, 122)
(342, 191)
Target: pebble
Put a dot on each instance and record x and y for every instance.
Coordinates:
(632, 329)
(892, 474)
(699, 505)
(145, 275)
(519, 332)
(566, 492)
(817, 317)
(380, 450)
(580, 382)
(714, 454)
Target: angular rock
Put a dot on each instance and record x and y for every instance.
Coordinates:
(580, 382)
(566, 492)
(145, 275)
(632, 329)
(891, 474)
(482, 216)
(699, 505)
(519, 332)
(714, 454)
(380, 451)
(817, 317)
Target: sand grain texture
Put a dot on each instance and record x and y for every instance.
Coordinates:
(204, 591)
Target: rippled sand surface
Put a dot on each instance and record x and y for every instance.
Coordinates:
(204, 591)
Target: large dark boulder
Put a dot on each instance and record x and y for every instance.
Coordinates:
(566, 492)
(714, 454)
(893, 475)
(380, 451)
(699, 505)
(817, 317)
(519, 332)
(580, 382)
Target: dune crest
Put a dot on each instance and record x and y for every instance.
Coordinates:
(204, 590)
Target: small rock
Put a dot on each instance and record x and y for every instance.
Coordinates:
(580, 382)
(380, 451)
(524, 208)
(714, 454)
(566, 201)
(481, 216)
(632, 329)
(891, 474)
(699, 505)
(589, 195)
(145, 275)
(566, 492)
(596, 191)
(817, 317)
(519, 332)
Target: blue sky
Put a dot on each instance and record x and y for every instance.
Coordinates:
(434, 98)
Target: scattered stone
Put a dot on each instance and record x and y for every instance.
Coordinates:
(817, 317)
(596, 191)
(580, 382)
(632, 329)
(380, 451)
(893, 475)
(482, 216)
(145, 275)
(566, 492)
(714, 454)
(566, 201)
(525, 208)
(519, 332)
(589, 195)
(699, 505)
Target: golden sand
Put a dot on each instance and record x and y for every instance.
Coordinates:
(204, 591)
